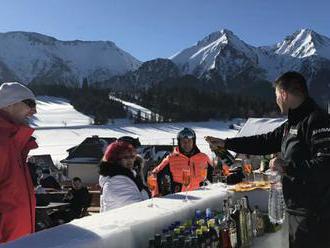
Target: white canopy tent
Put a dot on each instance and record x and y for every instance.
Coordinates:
(254, 126)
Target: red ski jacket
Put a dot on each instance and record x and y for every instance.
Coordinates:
(17, 200)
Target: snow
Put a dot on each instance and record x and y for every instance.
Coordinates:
(226, 51)
(57, 112)
(123, 227)
(304, 43)
(60, 127)
(28, 55)
(133, 225)
(134, 108)
(204, 53)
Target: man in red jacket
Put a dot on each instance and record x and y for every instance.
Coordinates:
(17, 201)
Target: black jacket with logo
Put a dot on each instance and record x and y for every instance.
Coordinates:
(304, 144)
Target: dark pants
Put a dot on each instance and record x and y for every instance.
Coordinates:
(308, 231)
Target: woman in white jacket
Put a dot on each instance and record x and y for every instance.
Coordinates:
(120, 184)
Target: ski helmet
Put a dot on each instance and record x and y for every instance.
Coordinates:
(186, 133)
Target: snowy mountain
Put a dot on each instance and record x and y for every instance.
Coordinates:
(224, 59)
(36, 58)
(304, 43)
(216, 52)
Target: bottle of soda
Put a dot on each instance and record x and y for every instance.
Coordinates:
(201, 239)
(176, 233)
(194, 242)
(207, 237)
(213, 234)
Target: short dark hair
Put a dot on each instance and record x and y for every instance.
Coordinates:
(75, 179)
(293, 82)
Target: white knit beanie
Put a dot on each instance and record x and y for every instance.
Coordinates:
(13, 92)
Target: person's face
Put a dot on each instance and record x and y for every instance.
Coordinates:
(282, 100)
(187, 144)
(76, 184)
(20, 112)
(127, 159)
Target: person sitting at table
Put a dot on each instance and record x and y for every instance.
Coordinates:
(188, 157)
(120, 184)
(79, 199)
(48, 181)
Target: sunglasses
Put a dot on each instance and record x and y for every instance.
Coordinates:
(30, 103)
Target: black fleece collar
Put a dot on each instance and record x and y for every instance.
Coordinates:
(303, 110)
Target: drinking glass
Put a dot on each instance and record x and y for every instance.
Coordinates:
(152, 183)
(247, 169)
(186, 181)
(203, 174)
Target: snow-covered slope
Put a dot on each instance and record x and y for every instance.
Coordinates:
(32, 57)
(59, 127)
(57, 112)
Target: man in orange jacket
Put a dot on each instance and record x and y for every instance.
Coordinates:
(186, 157)
(17, 200)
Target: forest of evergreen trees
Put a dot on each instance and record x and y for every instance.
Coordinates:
(188, 99)
(87, 100)
(180, 99)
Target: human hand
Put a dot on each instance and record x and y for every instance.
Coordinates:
(277, 164)
(214, 142)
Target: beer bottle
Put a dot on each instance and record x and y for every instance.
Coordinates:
(158, 240)
(151, 243)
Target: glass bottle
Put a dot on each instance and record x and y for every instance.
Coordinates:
(276, 205)
(259, 222)
(236, 217)
(243, 225)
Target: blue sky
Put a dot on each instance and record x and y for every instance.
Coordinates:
(151, 28)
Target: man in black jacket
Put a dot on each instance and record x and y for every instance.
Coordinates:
(304, 144)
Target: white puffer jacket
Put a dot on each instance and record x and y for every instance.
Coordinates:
(119, 191)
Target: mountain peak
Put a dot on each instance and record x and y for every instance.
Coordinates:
(31, 57)
(224, 34)
(304, 43)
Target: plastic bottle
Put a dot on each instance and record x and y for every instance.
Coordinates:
(276, 206)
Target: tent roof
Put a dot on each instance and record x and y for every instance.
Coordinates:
(254, 126)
